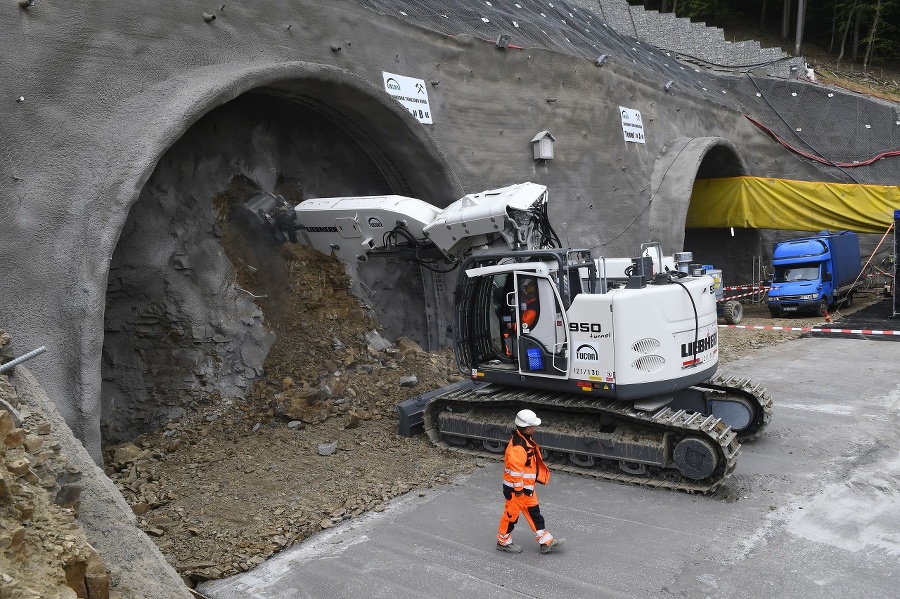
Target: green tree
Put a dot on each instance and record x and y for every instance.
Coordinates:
(881, 36)
(845, 13)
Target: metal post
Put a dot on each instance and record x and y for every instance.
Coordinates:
(801, 19)
(896, 264)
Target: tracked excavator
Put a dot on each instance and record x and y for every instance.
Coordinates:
(617, 355)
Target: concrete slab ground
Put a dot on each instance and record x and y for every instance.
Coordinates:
(813, 510)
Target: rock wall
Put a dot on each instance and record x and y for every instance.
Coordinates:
(65, 530)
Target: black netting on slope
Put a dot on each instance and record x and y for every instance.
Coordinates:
(810, 122)
(559, 26)
(844, 129)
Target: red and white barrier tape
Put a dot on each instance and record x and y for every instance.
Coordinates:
(809, 329)
(731, 297)
(756, 286)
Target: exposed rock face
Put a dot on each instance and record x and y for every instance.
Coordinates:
(178, 327)
(180, 323)
(43, 549)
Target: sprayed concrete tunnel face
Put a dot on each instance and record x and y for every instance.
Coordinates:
(179, 328)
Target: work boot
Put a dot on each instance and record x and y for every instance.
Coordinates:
(548, 547)
(511, 548)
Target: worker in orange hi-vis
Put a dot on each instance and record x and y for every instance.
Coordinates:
(523, 467)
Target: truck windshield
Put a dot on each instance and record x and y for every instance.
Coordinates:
(801, 272)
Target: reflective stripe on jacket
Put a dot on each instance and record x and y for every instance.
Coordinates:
(523, 463)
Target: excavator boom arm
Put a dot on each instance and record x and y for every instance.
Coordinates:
(352, 228)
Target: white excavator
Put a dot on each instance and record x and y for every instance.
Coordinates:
(618, 355)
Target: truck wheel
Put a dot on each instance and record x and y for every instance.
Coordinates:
(733, 312)
(822, 308)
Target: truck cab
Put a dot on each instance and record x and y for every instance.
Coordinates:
(812, 274)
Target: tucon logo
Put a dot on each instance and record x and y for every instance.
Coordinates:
(587, 352)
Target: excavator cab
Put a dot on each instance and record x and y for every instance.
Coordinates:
(515, 321)
(511, 314)
(542, 341)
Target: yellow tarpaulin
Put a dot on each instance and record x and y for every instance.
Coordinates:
(761, 203)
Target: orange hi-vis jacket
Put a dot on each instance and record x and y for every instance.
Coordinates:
(523, 464)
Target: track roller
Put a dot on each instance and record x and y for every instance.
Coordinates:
(494, 446)
(633, 468)
(585, 461)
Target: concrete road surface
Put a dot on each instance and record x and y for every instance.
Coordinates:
(813, 510)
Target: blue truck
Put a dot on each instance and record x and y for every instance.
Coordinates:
(814, 273)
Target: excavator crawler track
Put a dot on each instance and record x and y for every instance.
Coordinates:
(748, 391)
(655, 448)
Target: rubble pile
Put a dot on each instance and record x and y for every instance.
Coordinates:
(313, 442)
(44, 553)
(224, 489)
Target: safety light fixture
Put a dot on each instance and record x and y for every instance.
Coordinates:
(503, 41)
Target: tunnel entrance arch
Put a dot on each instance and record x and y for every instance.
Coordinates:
(178, 326)
(682, 162)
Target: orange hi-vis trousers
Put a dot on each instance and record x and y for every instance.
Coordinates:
(528, 506)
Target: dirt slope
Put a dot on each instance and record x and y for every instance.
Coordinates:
(43, 549)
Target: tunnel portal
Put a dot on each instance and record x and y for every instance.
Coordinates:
(180, 327)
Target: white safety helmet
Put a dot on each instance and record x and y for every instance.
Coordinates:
(527, 418)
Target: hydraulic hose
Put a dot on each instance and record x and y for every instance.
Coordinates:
(696, 319)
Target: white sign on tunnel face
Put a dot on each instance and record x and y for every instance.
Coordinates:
(632, 125)
(411, 93)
